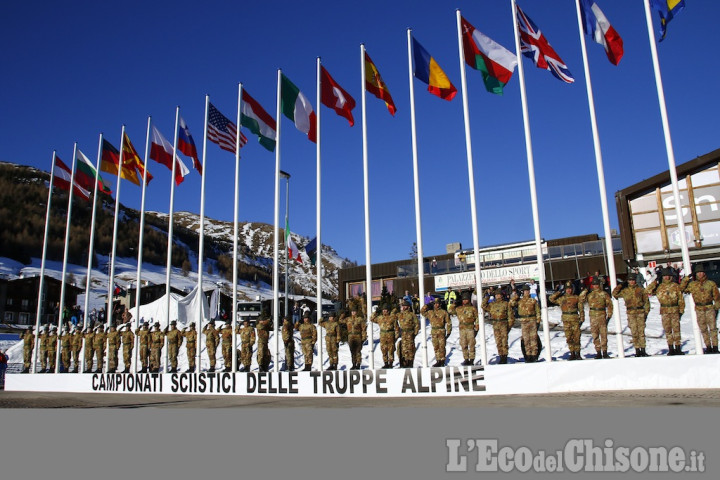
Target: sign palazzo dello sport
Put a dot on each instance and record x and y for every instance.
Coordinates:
(490, 276)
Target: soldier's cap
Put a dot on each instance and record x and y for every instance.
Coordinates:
(698, 268)
(596, 281)
(305, 315)
(192, 324)
(666, 272)
(157, 324)
(173, 322)
(526, 287)
(354, 309)
(437, 301)
(632, 278)
(466, 296)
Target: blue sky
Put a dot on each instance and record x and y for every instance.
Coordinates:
(75, 69)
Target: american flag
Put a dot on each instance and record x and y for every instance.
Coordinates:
(535, 46)
(222, 131)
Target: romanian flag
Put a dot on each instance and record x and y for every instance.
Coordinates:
(428, 70)
(667, 9)
(375, 85)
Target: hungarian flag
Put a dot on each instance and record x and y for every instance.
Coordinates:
(596, 24)
(428, 71)
(85, 175)
(63, 179)
(161, 150)
(535, 46)
(334, 96)
(297, 108)
(186, 144)
(255, 118)
(494, 61)
(375, 85)
(667, 9)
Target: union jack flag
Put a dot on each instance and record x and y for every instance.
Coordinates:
(535, 46)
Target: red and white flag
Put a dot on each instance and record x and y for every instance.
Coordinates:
(334, 96)
(596, 24)
(63, 179)
(161, 150)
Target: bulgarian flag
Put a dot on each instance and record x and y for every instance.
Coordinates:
(85, 175)
(297, 108)
(293, 250)
(258, 121)
(492, 59)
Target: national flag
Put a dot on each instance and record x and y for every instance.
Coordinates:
(495, 62)
(334, 96)
(596, 24)
(667, 9)
(293, 251)
(161, 150)
(186, 144)
(297, 108)
(119, 291)
(63, 179)
(222, 131)
(428, 71)
(535, 46)
(131, 160)
(311, 250)
(111, 158)
(85, 174)
(255, 118)
(375, 85)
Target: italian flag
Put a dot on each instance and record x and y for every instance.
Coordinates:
(257, 120)
(86, 173)
(492, 59)
(293, 250)
(297, 108)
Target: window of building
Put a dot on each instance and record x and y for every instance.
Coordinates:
(25, 303)
(24, 319)
(8, 317)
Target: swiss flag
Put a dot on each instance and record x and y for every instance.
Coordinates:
(334, 96)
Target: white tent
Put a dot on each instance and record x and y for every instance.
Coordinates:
(182, 309)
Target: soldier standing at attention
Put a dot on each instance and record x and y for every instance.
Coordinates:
(99, 348)
(357, 334)
(289, 341)
(468, 325)
(42, 346)
(190, 335)
(157, 338)
(76, 344)
(264, 327)
(89, 338)
(113, 339)
(212, 337)
(308, 338)
(409, 326)
(388, 330)
(175, 338)
(601, 310)
(637, 307)
(672, 306)
(128, 342)
(332, 338)
(226, 334)
(440, 329)
(573, 315)
(65, 349)
(528, 311)
(143, 335)
(247, 340)
(707, 302)
(51, 343)
(28, 338)
(503, 317)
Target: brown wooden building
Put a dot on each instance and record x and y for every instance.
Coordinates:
(19, 299)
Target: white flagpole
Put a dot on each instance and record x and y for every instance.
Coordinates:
(276, 275)
(601, 184)
(111, 279)
(91, 249)
(65, 255)
(235, 229)
(142, 228)
(168, 265)
(673, 172)
(318, 250)
(42, 265)
(533, 191)
(416, 183)
(366, 182)
(202, 233)
(473, 208)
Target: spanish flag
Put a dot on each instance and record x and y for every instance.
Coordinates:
(375, 85)
(428, 70)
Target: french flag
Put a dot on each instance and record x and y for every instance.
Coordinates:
(598, 26)
(186, 144)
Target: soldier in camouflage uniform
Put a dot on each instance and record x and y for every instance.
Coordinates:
(89, 337)
(409, 326)
(528, 312)
(637, 307)
(174, 339)
(342, 327)
(264, 327)
(332, 336)
(212, 337)
(247, 340)
(65, 349)
(99, 348)
(388, 329)
(601, 310)
(468, 326)
(28, 338)
(76, 345)
(308, 338)
(573, 316)
(128, 343)
(357, 334)
(42, 347)
(157, 339)
(113, 339)
(707, 302)
(503, 318)
(672, 306)
(190, 335)
(226, 337)
(143, 335)
(288, 338)
(51, 344)
(441, 327)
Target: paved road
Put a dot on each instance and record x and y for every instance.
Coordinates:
(652, 398)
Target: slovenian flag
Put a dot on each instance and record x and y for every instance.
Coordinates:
(186, 144)
(496, 63)
(596, 24)
(428, 70)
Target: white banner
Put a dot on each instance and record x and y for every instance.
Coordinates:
(490, 276)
